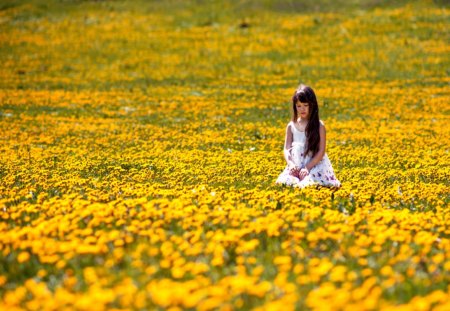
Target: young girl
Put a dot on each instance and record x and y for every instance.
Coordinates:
(304, 147)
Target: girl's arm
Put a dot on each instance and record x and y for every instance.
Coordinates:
(322, 144)
(288, 145)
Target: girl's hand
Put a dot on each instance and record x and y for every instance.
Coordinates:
(303, 173)
(295, 171)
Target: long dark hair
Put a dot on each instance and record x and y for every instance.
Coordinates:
(305, 94)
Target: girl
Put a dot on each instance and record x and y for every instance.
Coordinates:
(304, 147)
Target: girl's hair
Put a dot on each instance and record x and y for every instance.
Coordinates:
(305, 94)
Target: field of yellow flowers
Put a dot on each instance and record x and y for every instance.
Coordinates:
(141, 141)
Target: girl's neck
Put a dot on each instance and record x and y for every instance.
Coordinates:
(302, 121)
(302, 124)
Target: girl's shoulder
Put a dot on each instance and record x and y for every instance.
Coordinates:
(322, 127)
(290, 127)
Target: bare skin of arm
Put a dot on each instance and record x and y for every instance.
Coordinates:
(287, 156)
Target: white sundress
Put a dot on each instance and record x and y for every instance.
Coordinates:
(321, 174)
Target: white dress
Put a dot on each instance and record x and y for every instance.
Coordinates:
(321, 174)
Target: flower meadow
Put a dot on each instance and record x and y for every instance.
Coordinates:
(141, 141)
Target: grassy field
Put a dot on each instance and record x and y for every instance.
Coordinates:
(141, 141)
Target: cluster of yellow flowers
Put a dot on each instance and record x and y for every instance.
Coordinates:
(140, 174)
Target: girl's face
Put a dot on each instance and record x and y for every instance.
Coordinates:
(303, 110)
